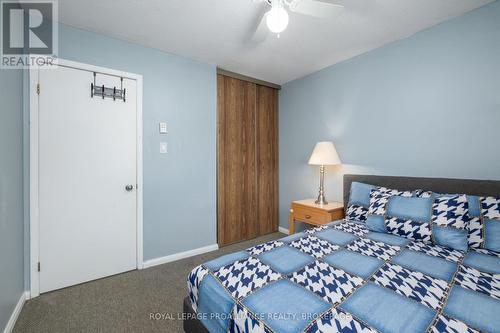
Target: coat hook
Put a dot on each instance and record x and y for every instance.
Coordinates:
(107, 92)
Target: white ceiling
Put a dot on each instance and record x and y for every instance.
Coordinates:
(219, 31)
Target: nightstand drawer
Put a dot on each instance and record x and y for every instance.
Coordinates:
(337, 215)
(310, 215)
(307, 211)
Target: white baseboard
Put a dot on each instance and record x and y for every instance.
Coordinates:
(15, 314)
(180, 255)
(284, 230)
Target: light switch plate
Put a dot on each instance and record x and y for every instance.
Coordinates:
(163, 128)
(163, 147)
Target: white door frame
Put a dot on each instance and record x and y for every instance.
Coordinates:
(34, 203)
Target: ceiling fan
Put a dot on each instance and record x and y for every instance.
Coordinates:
(276, 19)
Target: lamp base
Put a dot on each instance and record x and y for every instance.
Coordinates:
(321, 200)
(321, 197)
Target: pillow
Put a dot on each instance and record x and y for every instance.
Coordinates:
(415, 230)
(356, 213)
(490, 216)
(490, 208)
(379, 196)
(409, 217)
(450, 218)
(475, 237)
(359, 201)
(422, 193)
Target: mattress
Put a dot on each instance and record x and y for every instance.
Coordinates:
(343, 278)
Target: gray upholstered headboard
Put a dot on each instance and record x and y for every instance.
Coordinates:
(441, 185)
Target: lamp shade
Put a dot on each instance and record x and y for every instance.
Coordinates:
(324, 153)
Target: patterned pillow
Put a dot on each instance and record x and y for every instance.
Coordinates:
(490, 208)
(475, 237)
(409, 217)
(419, 231)
(356, 213)
(475, 230)
(451, 211)
(379, 197)
(490, 217)
(475, 234)
(359, 201)
(450, 218)
(422, 193)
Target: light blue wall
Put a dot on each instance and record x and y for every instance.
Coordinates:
(428, 105)
(179, 187)
(11, 193)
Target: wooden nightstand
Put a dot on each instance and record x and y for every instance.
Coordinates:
(308, 212)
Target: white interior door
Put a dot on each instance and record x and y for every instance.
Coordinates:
(86, 157)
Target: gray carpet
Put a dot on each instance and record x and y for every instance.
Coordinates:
(121, 303)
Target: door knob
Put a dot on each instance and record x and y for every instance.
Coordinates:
(129, 187)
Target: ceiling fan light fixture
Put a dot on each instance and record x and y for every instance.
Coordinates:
(277, 18)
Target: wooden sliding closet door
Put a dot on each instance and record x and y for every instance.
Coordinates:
(247, 160)
(267, 159)
(237, 191)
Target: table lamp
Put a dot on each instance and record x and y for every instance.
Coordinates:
(324, 153)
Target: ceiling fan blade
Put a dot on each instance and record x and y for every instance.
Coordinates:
(261, 31)
(315, 8)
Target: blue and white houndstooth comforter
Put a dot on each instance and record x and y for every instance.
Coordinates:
(343, 278)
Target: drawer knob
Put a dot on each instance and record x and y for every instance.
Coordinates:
(308, 216)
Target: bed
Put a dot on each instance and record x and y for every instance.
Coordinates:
(342, 277)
